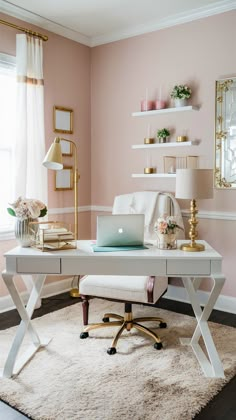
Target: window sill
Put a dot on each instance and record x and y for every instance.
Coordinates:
(7, 234)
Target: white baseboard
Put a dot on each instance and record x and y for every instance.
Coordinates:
(224, 303)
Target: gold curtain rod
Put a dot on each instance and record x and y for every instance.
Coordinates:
(27, 31)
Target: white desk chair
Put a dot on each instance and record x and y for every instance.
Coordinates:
(131, 289)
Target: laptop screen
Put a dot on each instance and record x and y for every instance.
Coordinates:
(120, 230)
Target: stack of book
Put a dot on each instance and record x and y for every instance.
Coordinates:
(54, 236)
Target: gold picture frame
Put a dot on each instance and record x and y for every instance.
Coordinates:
(62, 120)
(64, 179)
(66, 147)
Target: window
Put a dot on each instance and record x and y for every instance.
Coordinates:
(7, 139)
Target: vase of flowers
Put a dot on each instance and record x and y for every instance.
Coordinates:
(25, 211)
(166, 229)
(180, 94)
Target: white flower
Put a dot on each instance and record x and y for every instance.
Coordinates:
(27, 208)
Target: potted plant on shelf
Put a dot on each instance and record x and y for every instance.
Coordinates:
(162, 135)
(180, 94)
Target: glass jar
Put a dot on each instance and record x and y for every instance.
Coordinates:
(166, 240)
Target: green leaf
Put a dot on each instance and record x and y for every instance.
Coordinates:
(43, 212)
(11, 211)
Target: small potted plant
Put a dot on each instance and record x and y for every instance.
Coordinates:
(162, 135)
(180, 94)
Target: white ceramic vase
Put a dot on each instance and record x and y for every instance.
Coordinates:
(22, 232)
(180, 102)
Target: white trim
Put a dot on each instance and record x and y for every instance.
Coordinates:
(204, 214)
(42, 22)
(101, 208)
(8, 62)
(81, 209)
(179, 18)
(227, 216)
(64, 210)
(223, 303)
(7, 236)
(216, 215)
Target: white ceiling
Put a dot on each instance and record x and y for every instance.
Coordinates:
(95, 22)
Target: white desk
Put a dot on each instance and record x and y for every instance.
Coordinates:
(191, 266)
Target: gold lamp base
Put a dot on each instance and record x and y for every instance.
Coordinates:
(192, 247)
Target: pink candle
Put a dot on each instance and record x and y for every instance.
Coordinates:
(159, 104)
(146, 105)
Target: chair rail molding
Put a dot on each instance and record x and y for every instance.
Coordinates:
(204, 214)
(220, 215)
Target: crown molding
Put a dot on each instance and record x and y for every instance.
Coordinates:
(180, 18)
(49, 25)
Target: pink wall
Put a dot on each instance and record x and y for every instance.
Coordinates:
(195, 53)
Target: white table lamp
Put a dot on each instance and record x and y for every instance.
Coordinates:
(194, 184)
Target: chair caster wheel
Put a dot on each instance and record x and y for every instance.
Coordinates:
(105, 319)
(163, 325)
(158, 346)
(84, 335)
(111, 350)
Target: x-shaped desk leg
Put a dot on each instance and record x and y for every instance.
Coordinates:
(211, 365)
(12, 366)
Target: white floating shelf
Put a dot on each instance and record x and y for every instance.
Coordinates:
(165, 111)
(170, 144)
(153, 175)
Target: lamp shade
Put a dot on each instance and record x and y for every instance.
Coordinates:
(194, 183)
(53, 158)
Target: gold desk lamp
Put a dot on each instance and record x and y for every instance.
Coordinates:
(193, 184)
(53, 160)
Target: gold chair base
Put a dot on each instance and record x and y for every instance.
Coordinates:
(126, 322)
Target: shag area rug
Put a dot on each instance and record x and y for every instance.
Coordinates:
(76, 379)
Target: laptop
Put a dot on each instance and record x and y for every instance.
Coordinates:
(120, 230)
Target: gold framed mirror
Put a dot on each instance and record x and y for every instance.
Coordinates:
(62, 120)
(225, 133)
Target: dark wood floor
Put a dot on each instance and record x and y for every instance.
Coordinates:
(222, 407)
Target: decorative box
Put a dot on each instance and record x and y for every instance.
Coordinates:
(52, 236)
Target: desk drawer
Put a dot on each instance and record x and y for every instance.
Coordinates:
(188, 267)
(38, 265)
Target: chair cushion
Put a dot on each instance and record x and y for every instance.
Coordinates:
(127, 288)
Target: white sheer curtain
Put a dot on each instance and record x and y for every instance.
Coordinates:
(30, 176)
